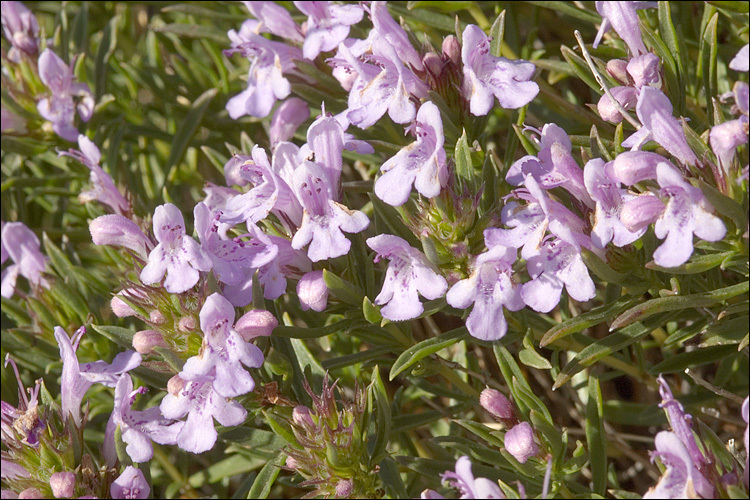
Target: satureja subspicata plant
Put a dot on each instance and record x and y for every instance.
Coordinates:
(375, 250)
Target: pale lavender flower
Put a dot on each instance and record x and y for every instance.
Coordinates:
(490, 288)
(681, 423)
(138, 428)
(20, 27)
(741, 61)
(223, 351)
(144, 341)
(177, 254)
(745, 417)
(63, 484)
(626, 96)
(644, 70)
(623, 18)
(233, 170)
(325, 139)
(230, 257)
(609, 198)
(287, 118)
(421, 163)
(274, 19)
(60, 107)
(519, 442)
(103, 187)
(256, 323)
(637, 213)
(631, 167)
(201, 403)
(266, 82)
(130, 484)
(22, 246)
(385, 87)
(20, 425)
(325, 220)
(687, 212)
(558, 265)
(312, 291)
(486, 76)
(469, 487)
(726, 137)
(327, 25)
(11, 123)
(682, 478)
(116, 230)
(77, 378)
(409, 274)
(386, 27)
(654, 110)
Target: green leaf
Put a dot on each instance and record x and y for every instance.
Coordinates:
(185, 132)
(378, 399)
(697, 264)
(343, 290)
(120, 336)
(497, 31)
(674, 43)
(356, 358)
(699, 357)
(725, 205)
(571, 10)
(677, 302)
(391, 478)
(707, 59)
(423, 349)
(739, 7)
(106, 49)
(530, 357)
(296, 332)
(193, 31)
(389, 217)
(266, 477)
(580, 68)
(462, 159)
(371, 312)
(596, 437)
(726, 332)
(586, 320)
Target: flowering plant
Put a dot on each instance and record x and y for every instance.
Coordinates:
(375, 250)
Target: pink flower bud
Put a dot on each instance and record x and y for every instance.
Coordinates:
(157, 317)
(497, 404)
(175, 385)
(233, 170)
(301, 416)
(619, 71)
(31, 493)
(291, 462)
(256, 323)
(120, 308)
(641, 211)
(627, 97)
(116, 230)
(63, 484)
(433, 63)
(145, 341)
(344, 488)
(519, 441)
(451, 49)
(313, 291)
(186, 324)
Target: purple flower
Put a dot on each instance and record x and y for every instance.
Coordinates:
(558, 264)
(469, 487)
(421, 163)
(486, 75)
(103, 188)
(275, 19)
(223, 351)
(20, 424)
(20, 27)
(116, 230)
(325, 138)
(386, 27)
(409, 274)
(177, 254)
(726, 137)
(201, 403)
(644, 70)
(631, 167)
(60, 107)
(682, 478)
(626, 96)
(637, 213)
(266, 83)
(325, 220)
(76, 379)
(489, 288)
(385, 87)
(327, 25)
(519, 441)
(681, 423)
(623, 18)
(138, 428)
(740, 62)
(288, 117)
(312, 291)
(22, 246)
(63, 484)
(256, 323)
(687, 212)
(230, 257)
(654, 110)
(609, 198)
(130, 484)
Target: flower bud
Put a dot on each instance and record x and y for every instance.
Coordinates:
(433, 63)
(301, 416)
(145, 341)
(31, 493)
(233, 170)
(256, 323)
(497, 404)
(288, 117)
(157, 317)
(291, 462)
(641, 211)
(120, 307)
(627, 97)
(618, 69)
(344, 488)
(519, 441)
(645, 70)
(313, 291)
(186, 324)
(175, 385)
(63, 484)
(451, 49)
(635, 166)
(116, 230)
